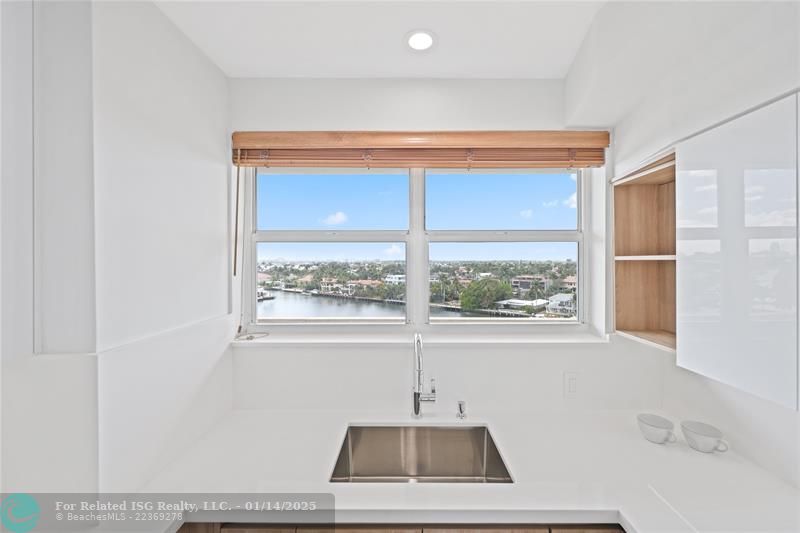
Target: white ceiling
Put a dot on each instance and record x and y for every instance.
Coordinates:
(334, 39)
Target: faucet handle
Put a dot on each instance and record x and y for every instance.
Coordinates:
(431, 395)
(462, 409)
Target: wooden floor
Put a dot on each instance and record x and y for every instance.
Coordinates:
(378, 528)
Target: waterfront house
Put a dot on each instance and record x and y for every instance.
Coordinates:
(562, 304)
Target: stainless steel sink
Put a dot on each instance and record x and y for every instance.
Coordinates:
(412, 454)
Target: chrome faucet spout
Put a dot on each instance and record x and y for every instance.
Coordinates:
(418, 365)
(419, 394)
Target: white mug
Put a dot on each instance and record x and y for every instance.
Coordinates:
(656, 428)
(703, 437)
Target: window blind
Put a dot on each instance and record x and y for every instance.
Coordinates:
(451, 149)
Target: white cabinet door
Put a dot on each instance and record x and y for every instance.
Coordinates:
(736, 204)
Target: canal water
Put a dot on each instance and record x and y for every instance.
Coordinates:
(297, 305)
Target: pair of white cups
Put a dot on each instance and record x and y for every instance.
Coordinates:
(699, 436)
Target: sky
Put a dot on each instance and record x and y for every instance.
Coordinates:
(379, 201)
(439, 251)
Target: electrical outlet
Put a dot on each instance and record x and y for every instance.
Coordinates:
(571, 385)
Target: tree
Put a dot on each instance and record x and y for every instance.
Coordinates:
(483, 293)
(445, 289)
(394, 292)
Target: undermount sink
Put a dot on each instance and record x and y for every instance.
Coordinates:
(420, 454)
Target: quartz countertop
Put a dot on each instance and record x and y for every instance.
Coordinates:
(567, 466)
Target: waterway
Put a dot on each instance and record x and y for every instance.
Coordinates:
(298, 305)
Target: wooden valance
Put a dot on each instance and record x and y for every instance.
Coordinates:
(437, 149)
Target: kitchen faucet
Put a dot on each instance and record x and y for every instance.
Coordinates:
(419, 383)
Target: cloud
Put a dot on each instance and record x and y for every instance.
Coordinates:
(394, 250)
(785, 217)
(701, 173)
(551, 203)
(334, 219)
(703, 188)
(526, 213)
(572, 201)
(573, 177)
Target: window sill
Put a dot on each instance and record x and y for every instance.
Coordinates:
(563, 334)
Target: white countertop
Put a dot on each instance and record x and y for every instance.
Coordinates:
(568, 467)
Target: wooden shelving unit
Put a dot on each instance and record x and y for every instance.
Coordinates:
(644, 258)
(644, 253)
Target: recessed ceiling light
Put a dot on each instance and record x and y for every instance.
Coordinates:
(420, 40)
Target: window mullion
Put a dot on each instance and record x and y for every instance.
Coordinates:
(330, 236)
(504, 236)
(249, 253)
(417, 252)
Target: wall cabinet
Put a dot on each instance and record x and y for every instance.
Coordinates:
(497, 529)
(736, 278)
(644, 253)
(586, 529)
(199, 527)
(255, 529)
(360, 529)
(377, 528)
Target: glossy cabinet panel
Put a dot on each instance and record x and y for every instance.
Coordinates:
(736, 277)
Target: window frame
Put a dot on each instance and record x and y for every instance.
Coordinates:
(417, 240)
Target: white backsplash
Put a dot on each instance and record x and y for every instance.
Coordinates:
(620, 374)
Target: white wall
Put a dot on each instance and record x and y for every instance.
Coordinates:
(161, 167)
(161, 203)
(17, 177)
(2, 126)
(63, 180)
(157, 396)
(621, 374)
(766, 433)
(132, 176)
(395, 104)
(753, 58)
(50, 423)
(49, 407)
(376, 377)
(677, 68)
(749, 55)
(160, 123)
(660, 71)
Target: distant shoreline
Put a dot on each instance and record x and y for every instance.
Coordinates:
(508, 313)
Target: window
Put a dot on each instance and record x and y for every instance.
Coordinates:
(330, 280)
(510, 249)
(313, 200)
(416, 246)
(330, 245)
(504, 200)
(513, 280)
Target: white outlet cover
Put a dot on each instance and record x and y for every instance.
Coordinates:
(571, 384)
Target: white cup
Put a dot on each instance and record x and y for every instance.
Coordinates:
(656, 428)
(703, 437)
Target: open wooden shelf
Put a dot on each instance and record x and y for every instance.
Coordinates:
(644, 211)
(660, 337)
(645, 258)
(656, 173)
(644, 248)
